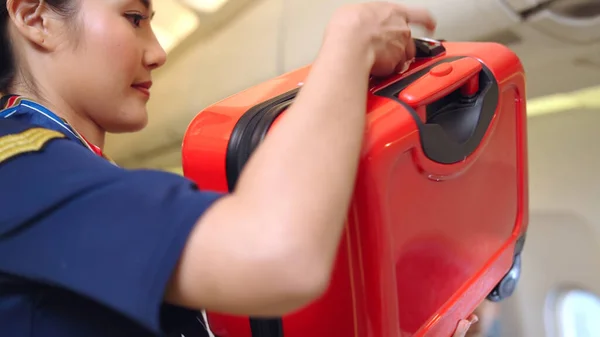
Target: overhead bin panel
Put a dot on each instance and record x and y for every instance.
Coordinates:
(524, 5)
(571, 21)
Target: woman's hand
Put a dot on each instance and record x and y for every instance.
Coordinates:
(383, 28)
(463, 326)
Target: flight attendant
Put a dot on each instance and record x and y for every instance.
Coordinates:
(91, 249)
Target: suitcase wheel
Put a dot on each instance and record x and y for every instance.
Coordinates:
(506, 287)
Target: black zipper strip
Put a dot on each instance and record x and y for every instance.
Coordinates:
(249, 132)
(266, 327)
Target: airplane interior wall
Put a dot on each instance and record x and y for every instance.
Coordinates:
(563, 247)
(273, 36)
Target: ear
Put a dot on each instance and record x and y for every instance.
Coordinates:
(34, 20)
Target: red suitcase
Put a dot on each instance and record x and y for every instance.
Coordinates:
(440, 209)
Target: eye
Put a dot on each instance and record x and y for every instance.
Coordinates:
(135, 18)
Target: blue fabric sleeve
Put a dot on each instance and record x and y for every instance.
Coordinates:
(73, 220)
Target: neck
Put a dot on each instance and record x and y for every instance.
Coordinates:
(85, 126)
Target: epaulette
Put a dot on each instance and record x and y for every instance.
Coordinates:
(18, 138)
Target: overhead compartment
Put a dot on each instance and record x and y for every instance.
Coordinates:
(570, 21)
(558, 42)
(522, 5)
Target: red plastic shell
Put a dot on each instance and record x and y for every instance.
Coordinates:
(424, 242)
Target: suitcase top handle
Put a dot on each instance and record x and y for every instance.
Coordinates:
(441, 81)
(453, 102)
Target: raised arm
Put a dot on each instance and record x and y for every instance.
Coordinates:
(269, 247)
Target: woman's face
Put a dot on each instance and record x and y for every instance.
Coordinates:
(102, 66)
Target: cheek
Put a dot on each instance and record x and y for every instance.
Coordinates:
(112, 62)
(111, 49)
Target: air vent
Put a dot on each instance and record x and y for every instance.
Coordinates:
(576, 9)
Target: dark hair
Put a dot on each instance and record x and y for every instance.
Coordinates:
(8, 66)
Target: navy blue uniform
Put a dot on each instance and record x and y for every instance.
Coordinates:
(86, 247)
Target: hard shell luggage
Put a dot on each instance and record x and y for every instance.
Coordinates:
(440, 209)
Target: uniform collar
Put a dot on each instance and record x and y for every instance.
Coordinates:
(15, 106)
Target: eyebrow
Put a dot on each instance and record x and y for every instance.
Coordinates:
(146, 4)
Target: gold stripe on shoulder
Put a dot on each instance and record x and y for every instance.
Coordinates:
(31, 140)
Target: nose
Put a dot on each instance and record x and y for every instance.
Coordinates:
(155, 55)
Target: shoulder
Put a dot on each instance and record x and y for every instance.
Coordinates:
(18, 138)
(44, 163)
(61, 173)
(12, 127)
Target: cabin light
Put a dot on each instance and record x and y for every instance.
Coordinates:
(588, 98)
(173, 23)
(204, 6)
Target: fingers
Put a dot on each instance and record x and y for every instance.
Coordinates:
(388, 33)
(403, 66)
(464, 325)
(408, 56)
(411, 50)
(462, 328)
(420, 16)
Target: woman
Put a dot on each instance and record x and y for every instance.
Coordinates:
(90, 249)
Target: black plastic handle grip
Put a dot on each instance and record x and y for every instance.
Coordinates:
(426, 48)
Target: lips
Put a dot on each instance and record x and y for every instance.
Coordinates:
(143, 87)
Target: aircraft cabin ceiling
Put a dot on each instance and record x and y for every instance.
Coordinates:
(219, 47)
